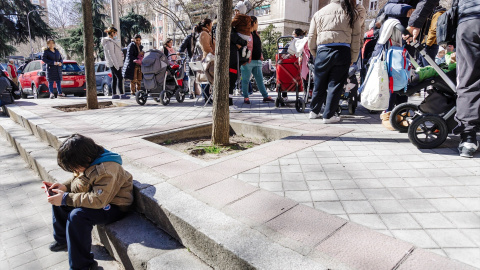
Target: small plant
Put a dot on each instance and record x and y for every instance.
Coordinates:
(168, 142)
(211, 149)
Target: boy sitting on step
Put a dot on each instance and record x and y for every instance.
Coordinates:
(100, 192)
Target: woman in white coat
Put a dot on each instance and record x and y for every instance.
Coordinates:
(114, 58)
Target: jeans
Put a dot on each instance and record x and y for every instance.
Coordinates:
(117, 82)
(59, 87)
(74, 227)
(255, 68)
(331, 72)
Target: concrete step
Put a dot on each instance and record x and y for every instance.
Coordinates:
(134, 241)
(231, 225)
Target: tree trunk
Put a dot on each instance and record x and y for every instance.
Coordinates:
(221, 116)
(88, 50)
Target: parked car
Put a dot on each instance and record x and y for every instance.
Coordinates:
(3, 69)
(33, 80)
(103, 79)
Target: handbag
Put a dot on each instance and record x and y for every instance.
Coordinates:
(447, 25)
(375, 93)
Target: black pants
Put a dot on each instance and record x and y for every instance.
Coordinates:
(331, 72)
(74, 227)
(117, 82)
(468, 76)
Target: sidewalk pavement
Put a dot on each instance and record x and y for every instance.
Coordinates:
(371, 176)
(26, 220)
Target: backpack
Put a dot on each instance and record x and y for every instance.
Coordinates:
(447, 25)
(398, 68)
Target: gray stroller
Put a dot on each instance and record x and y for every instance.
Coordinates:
(159, 79)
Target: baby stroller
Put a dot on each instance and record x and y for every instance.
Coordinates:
(289, 77)
(269, 75)
(429, 123)
(160, 79)
(349, 98)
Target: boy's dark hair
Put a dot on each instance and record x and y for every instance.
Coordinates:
(78, 151)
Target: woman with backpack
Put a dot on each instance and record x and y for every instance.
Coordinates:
(114, 58)
(334, 41)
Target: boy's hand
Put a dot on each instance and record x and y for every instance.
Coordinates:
(59, 186)
(57, 199)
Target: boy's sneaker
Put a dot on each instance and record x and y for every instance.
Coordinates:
(124, 97)
(115, 97)
(313, 115)
(246, 100)
(61, 95)
(469, 145)
(55, 246)
(331, 120)
(235, 109)
(268, 99)
(52, 96)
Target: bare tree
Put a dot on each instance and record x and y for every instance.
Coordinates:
(62, 14)
(221, 116)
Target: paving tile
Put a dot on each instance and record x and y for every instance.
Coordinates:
(448, 204)
(432, 220)
(461, 192)
(298, 196)
(387, 206)
(224, 192)
(358, 207)
(361, 248)
(418, 238)
(450, 238)
(377, 193)
(350, 194)
(270, 177)
(294, 186)
(424, 260)
(334, 208)
(197, 179)
(323, 195)
(470, 256)
(259, 207)
(305, 225)
(473, 204)
(399, 221)
(417, 205)
(313, 185)
(472, 234)
(21, 259)
(368, 183)
(315, 176)
(271, 186)
(343, 184)
(292, 176)
(464, 219)
(405, 193)
(432, 192)
(371, 221)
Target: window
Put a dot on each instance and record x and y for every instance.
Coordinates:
(101, 68)
(27, 68)
(373, 5)
(71, 67)
(160, 29)
(37, 66)
(262, 11)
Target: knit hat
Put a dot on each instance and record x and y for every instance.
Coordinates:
(241, 7)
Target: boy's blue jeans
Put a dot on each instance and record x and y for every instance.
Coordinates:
(59, 87)
(74, 226)
(255, 68)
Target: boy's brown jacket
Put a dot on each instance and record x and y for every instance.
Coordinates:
(102, 184)
(242, 23)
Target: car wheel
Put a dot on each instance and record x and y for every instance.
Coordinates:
(22, 94)
(35, 92)
(106, 90)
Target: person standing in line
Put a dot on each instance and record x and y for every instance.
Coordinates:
(188, 47)
(114, 58)
(334, 39)
(206, 42)
(169, 50)
(12, 71)
(132, 70)
(254, 66)
(53, 61)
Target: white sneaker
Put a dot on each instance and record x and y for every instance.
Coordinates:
(52, 96)
(313, 115)
(235, 109)
(333, 119)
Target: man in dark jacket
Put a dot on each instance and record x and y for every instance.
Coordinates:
(236, 42)
(131, 70)
(188, 46)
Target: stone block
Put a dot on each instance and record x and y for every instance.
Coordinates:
(197, 179)
(424, 260)
(224, 192)
(177, 259)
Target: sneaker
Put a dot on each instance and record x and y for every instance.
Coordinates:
(61, 95)
(235, 109)
(331, 120)
(115, 97)
(469, 145)
(124, 97)
(246, 100)
(52, 96)
(268, 99)
(313, 115)
(192, 96)
(55, 246)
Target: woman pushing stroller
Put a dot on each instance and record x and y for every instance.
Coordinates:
(334, 41)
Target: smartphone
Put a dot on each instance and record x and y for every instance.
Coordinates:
(48, 191)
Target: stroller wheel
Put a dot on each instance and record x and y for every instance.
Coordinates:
(401, 116)
(141, 97)
(164, 98)
(428, 131)
(180, 95)
(300, 105)
(352, 107)
(339, 110)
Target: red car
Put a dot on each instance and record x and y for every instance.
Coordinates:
(33, 80)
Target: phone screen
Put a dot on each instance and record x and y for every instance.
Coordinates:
(48, 191)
